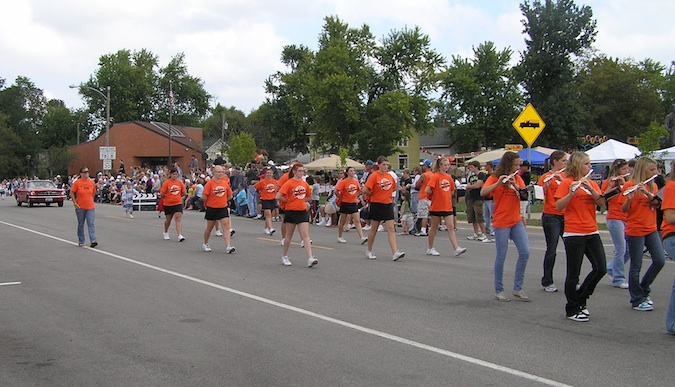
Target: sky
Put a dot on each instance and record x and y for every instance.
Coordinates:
(233, 46)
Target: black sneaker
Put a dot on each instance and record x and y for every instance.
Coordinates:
(93, 244)
(579, 317)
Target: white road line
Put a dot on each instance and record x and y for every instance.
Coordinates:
(10, 283)
(305, 312)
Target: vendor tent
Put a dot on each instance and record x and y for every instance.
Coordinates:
(488, 156)
(665, 154)
(533, 156)
(611, 150)
(332, 162)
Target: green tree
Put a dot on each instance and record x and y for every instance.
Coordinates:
(558, 30)
(651, 138)
(480, 99)
(59, 126)
(242, 148)
(25, 107)
(621, 98)
(12, 161)
(225, 122)
(191, 101)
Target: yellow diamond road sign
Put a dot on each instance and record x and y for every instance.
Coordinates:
(529, 124)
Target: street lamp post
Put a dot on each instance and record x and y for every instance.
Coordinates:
(105, 96)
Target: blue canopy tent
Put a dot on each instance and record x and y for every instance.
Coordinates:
(536, 158)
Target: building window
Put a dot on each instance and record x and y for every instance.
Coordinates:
(402, 161)
(403, 144)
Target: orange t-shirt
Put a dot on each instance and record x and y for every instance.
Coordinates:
(580, 211)
(549, 192)
(442, 185)
(295, 192)
(381, 186)
(641, 216)
(507, 203)
(349, 190)
(668, 203)
(613, 206)
(426, 176)
(267, 189)
(173, 191)
(84, 190)
(217, 194)
(282, 180)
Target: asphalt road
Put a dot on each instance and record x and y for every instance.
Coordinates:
(141, 311)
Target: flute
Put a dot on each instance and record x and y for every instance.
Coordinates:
(507, 178)
(619, 177)
(574, 186)
(553, 175)
(636, 187)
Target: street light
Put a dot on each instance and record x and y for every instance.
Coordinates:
(107, 108)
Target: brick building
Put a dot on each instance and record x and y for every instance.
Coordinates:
(142, 143)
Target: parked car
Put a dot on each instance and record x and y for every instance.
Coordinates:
(39, 191)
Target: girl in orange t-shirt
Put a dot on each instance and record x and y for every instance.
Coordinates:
(347, 191)
(216, 195)
(267, 189)
(504, 186)
(577, 196)
(379, 186)
(668, 229)
(616, 222)
(552, 220)
(173, 191)
(641, 232)
(296, 195)
(439, 190)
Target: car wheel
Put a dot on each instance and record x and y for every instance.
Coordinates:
(60, 204)
(18, 202)
(30, 204)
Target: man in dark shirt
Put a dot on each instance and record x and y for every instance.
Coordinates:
(474, 202)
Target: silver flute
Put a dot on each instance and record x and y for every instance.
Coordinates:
(619, 177)
(507, 178)
(637, 187)
(553, 175)
(574, 186)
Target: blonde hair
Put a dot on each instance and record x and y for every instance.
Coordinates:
(574, 164)
(641, 173)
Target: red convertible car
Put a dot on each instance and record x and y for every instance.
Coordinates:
(39, 191)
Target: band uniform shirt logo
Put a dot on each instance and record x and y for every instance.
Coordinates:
(352, 189)
(385, 184)
(219, 191)
(174, 190)
(270, 188)
(445, 185)
(299, 192)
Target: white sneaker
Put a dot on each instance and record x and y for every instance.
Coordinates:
(285, 261)
(272, 231)
(131, 216)
(342, 240)
(232, 231)
(267, 231)
(432, 251)
(321, 223)
(181, 238)
(281, 242)
(364, 240)
(443, 228)
(229, 250)
(206, 247)
(398, 255)
(311, 262)
(459, 251)
(166, 236)
(366, 227)
(351, 225)
(380, 228)
(481, 237)
(370, 255)
(487, 240)
(219, 233)
(126, 214)
(302, 243)
(473, 237)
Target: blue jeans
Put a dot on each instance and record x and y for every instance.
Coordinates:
(519, 236)
(88, 216)
(639, 290)
(669, 245)
(575, 248)
(616, 267)
(488, 210)
(553, 229)
(251, 200)
(414, 201)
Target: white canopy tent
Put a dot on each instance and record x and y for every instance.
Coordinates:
(488, 156)
(332, 162)
(611, 150)
(665, 154)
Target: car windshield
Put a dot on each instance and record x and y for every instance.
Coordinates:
(40, 184)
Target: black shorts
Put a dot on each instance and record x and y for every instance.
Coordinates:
(442, 214)
(381, 211)
(170, 210)
(216, 213)
(348, 208)
(296, 217)
(269, 204)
